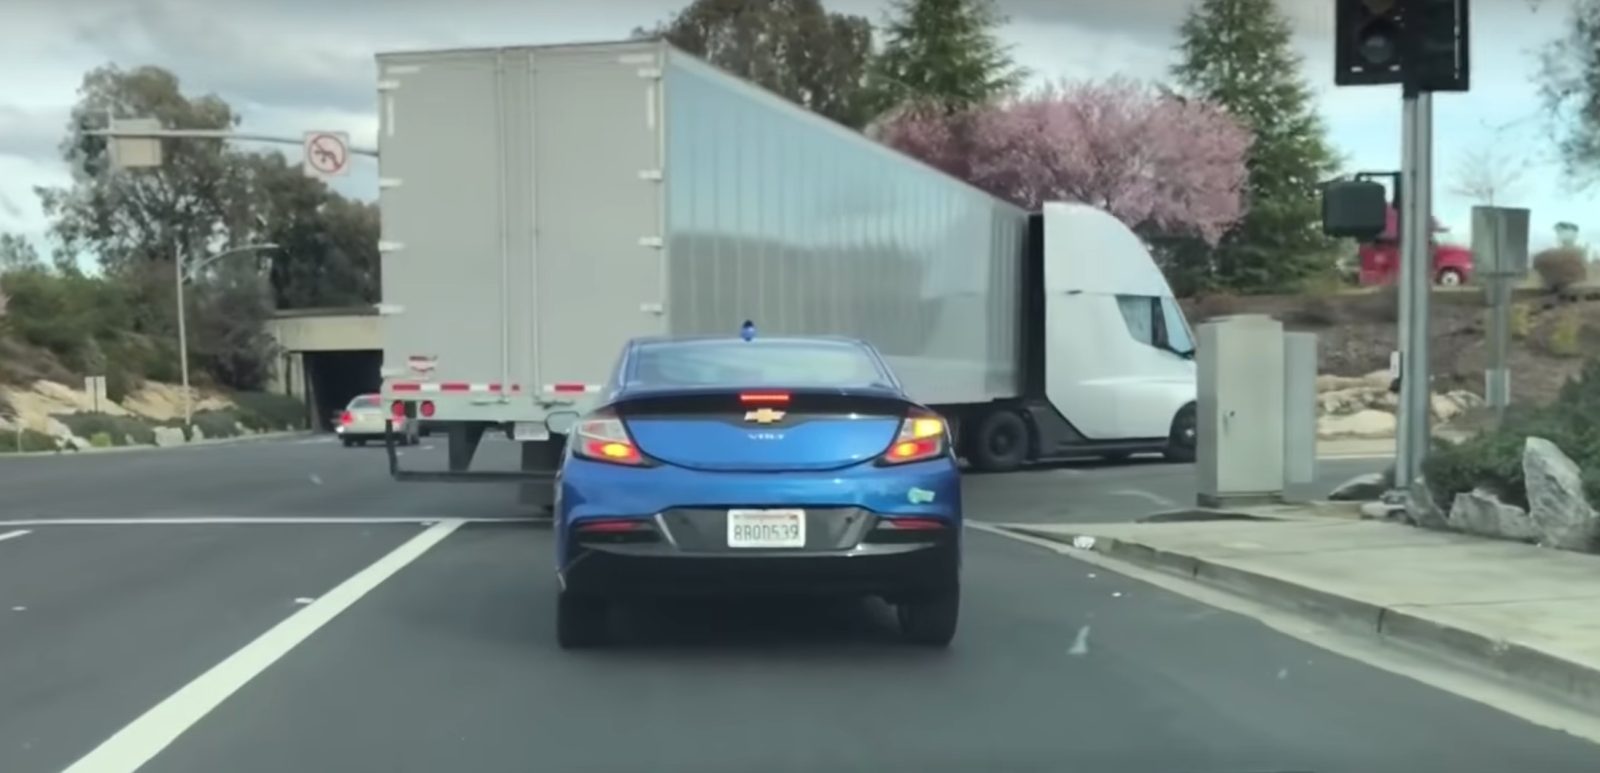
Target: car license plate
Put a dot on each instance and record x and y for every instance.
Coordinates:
(766, 528)
(530, 430)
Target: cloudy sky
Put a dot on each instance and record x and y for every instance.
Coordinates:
(294, 65)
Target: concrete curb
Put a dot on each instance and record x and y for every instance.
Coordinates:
(129, 449)
(1406, 625)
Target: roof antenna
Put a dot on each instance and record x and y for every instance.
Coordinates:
(747, 331)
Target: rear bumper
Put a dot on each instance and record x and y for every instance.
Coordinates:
(895, 570)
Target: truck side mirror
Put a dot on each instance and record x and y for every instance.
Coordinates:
(1355, 209)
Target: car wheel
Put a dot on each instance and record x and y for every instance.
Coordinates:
(1001, 442)
(930, 621)
(1451, 278)
(361, 443)
(580, 621)
(1183, 437)
(347, 442)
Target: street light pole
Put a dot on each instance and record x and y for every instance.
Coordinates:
(183, 337)
(179, 275)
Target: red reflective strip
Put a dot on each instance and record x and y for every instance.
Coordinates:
(455, 386)
(612, 526)
(492, 387)
(406, 387)
(569, 387)
(913, 524)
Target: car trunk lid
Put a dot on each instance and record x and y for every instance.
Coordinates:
(764, 430)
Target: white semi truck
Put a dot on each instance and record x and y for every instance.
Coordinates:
(541, 205)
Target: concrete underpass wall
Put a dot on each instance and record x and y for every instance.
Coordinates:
(328, 357)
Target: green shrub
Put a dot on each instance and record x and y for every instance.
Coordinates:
(216, 424)
(101, 440)
(1493, 459)
(1561, 267)
(29, 441)
(268, 412)
(1565, 333)
(117, 428)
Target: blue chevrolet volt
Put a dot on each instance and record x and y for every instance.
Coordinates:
(745, 465)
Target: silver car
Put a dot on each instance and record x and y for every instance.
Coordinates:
(363, 418)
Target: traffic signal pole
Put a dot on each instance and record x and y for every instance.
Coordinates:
(1412, 437)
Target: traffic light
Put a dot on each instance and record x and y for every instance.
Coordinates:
(1420, 43)
(1369, 42)
(1435, 49)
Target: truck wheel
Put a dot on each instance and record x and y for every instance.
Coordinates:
(1000, 443)
(1451, 278)
(1183, 437)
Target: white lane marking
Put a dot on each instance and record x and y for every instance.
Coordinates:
(1145, 495)
(1080, 643)
(207, 520)
(14, 534)
(142, 739)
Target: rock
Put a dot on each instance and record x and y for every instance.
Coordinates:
(1421, 508)
(1560, 511)
(1329, 383)
(195, 434)
(1482, 513)
(1364, 423)
(169, 436)
(1361, 488)
(1454, 403)
(1350, 400)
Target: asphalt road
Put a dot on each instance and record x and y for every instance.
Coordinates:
(442, 658)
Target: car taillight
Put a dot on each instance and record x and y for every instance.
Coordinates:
(398, 409)
(764, 398)
(347, 418)
(602, 437)
(427, 409)
(921, 437)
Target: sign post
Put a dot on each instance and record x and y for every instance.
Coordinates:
(327, 154)
(1500, 249)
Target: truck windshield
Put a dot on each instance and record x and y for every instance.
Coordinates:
(756, 363)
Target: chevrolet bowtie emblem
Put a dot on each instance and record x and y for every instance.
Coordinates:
(763, 416)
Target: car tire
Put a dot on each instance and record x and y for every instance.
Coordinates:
(1450, 277)
(348, 443)
(581, 621)
(361, 443)
(1000, 443)
(930, 621)
(1183, 437)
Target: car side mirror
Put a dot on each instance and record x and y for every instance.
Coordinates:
(1356, 209)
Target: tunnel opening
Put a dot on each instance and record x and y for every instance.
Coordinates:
(334, 378)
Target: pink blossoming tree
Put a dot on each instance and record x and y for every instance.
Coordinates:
(1157, 162)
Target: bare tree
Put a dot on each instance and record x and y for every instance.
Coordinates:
(1486, 175)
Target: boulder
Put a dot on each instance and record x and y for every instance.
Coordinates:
(1364, 423)
(1349, 400)
(1561, 513)
(1361, 488)
(169, 436)
(1482, 513)
(1421, 508)
(1330, 383)
(195, 434)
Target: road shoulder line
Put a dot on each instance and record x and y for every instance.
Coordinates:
(142, 739)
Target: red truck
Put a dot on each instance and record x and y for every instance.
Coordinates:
(1380, 259)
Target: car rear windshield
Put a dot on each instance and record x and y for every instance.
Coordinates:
(759, 363)
(365, 401)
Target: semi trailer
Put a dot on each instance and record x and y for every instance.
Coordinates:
(542, 205)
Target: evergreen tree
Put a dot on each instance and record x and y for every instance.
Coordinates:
(1237, 54)
(944, 54)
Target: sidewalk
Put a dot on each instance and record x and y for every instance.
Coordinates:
(129, 449)
(1525, 613)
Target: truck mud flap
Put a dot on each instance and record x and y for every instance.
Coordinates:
(458, 476)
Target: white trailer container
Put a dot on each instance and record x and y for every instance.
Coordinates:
(542, 205)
